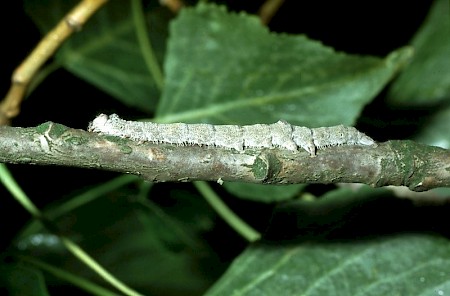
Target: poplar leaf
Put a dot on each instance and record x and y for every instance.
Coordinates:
(227, 68)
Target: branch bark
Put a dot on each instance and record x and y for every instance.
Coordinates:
(72, 22)
(417, 166)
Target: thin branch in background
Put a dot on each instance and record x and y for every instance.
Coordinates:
(268, 10)
(173, 5)
(72, 22)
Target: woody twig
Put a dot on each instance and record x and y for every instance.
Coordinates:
(173, 5)
(265, 13)
(72, 22)
(268, 10)
(400, 163)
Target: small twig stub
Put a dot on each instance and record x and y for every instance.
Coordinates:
(280, 134)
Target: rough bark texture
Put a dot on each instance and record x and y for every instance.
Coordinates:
(417, 166)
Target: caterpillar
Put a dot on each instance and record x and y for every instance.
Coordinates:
(280, 134)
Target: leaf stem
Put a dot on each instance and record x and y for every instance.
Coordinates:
(92, 194)
(8, 181)
(91, 263)
(69, 277)
(222, 209)
(145, 43)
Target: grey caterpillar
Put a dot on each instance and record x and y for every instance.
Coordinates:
(279, 134)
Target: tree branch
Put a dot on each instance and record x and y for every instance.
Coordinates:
(72, 22)
(418, 166)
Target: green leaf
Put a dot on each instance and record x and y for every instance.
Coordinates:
(263, 193)
(155, 251)
(411, 264)
(227, 68)
(106, 52)
(21, 280)
(436, 131)
(426, 81)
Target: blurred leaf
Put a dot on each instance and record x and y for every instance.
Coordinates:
(263, 193)
(150, 250)
(227, 68)
(151, 262)
(426, 80)
(401, 265)
(106, 52)
(436, 131)
(17, 280)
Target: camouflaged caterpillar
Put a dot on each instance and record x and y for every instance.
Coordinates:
(280, 134)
